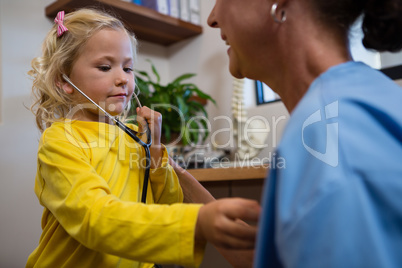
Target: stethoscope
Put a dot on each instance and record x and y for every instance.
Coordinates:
(130, 132)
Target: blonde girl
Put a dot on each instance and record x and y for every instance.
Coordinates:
(89, 174)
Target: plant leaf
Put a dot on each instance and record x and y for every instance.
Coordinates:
(158, 78)
(167, 134)
(174, 102)
(143, 73)
(182, 105)
(181, 78)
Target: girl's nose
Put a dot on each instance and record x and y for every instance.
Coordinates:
(121, 81)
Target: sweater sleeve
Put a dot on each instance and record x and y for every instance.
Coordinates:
(82, 202)
(165, 184)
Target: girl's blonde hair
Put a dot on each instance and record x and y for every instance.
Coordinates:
(50, 102)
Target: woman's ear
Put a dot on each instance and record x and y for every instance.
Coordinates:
(65, 87)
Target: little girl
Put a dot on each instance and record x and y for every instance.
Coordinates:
(90, 173)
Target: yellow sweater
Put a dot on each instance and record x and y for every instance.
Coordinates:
(89, 180)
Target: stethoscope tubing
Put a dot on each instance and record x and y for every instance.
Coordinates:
(130, 133)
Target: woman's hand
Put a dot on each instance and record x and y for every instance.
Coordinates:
(221, 223)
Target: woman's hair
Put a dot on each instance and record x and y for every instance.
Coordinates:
(382, 20)
(50, 102)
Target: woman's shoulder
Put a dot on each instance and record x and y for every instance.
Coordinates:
(355, 84)
(356, 78)
(353, 101)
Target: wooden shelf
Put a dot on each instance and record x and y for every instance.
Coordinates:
(229, 173)
(147, 24)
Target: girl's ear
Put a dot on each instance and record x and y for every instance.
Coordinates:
(65, 86)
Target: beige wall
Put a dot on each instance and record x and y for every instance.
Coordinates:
(20, 212)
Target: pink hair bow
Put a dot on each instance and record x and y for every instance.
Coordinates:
(59, 20)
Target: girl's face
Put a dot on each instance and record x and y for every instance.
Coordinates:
(104, 72)
(245, 26)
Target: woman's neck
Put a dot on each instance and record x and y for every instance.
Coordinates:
(314, 50)
(297, 78)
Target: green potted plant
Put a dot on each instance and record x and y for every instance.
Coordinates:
(180, 103)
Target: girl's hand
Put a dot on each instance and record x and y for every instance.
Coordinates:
(221, 223)
(154, 120)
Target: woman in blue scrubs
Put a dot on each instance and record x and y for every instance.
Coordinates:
(337, 200)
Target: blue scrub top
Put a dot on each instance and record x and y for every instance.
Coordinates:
(336, 199)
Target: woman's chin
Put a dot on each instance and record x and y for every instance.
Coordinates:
(235, 72)
(234, 68)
